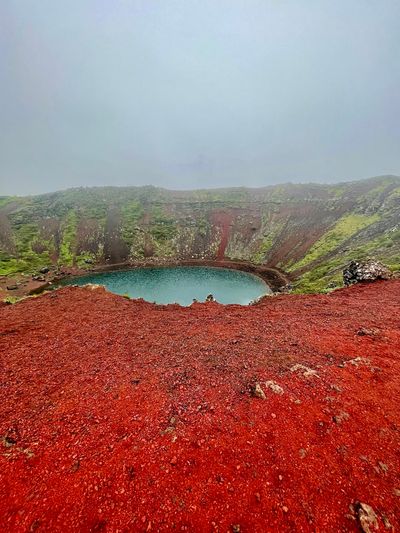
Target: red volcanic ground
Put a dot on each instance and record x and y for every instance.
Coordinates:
(119, 415)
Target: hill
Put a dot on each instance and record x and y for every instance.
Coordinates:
(306, 230)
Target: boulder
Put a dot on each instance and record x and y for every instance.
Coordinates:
(38, 278)
(285, 288)
(366, 516)
(370, 270)
(257, 391)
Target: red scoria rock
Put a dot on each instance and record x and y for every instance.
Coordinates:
(90, 383)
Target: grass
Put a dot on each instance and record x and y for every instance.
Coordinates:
(25, 259)
(265, 246)
(344, 228)
(85, 260)
(131, 213)
(68, 243)
(318, 279)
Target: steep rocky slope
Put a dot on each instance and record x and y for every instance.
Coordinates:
(120, 415)
(307, 230)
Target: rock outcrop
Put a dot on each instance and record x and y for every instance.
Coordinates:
(370, 270)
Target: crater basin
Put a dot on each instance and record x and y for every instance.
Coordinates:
(180, 284)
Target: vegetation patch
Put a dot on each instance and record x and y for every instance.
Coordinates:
(26, 259)
(131, 213)
(68, 243)
(345, 228)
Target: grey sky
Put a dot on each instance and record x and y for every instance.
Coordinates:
(197, 93)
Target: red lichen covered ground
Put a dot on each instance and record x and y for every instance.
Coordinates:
(118, 415)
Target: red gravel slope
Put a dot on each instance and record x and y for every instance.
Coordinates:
(118, 415)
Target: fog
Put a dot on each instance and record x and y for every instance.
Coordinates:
(192, 94)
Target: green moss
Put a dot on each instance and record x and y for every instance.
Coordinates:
(11, 300)
(203, 227)
(344, 228)
(163, 227)
(375, 192)
(337, 190)
(4, 200)
(10, 265)
(25, 259)
(85, 260)
(319, 279)
(68, 243)
(131, 213)
(267, 236)
(263, 249)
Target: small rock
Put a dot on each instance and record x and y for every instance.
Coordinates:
(257, 496)
(285, 509)
(258, 392)
(332, 285)
(277, 389)
(174, 460)
(302, 453)
(12, 287)
(330, 399)
(366, 517)
(75, 466)
(359, 361)
(396, 492)
(341, 417)
(305, 370)
(93, 286)
(34, 526)
(365, 331)
(386, 522)
(210, 298)
(9, 441)
(383, 466)
(44, 270)
(236, 528)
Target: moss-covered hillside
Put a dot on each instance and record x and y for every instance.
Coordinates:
(308, 230)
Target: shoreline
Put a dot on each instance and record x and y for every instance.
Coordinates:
(273, 277)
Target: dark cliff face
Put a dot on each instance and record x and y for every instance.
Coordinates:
(309, 230)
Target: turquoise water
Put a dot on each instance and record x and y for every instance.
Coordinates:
(180, 284)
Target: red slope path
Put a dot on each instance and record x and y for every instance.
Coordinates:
(119, 415)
